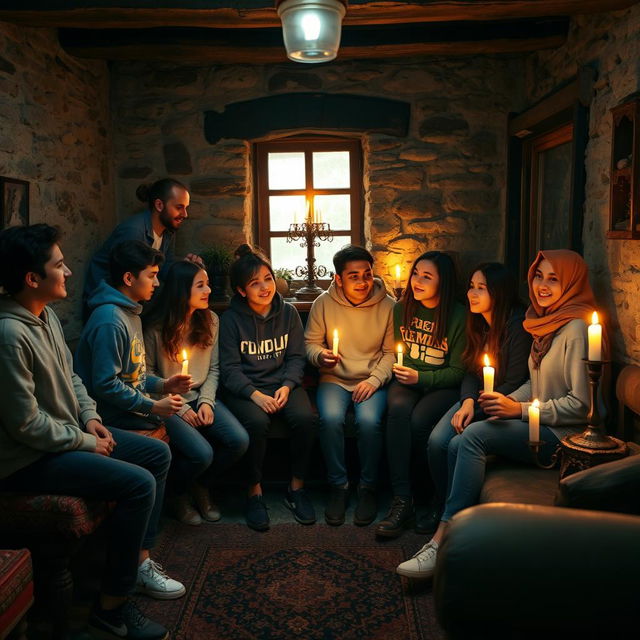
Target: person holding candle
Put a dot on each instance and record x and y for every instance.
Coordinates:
(353, 377)
(110, 358)
(493, 326)
(429, 323)
(53, 440)
(181, 335)
(262, 362)
(561, 303)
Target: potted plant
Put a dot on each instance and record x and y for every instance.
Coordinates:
(283, 280)
(217, 260)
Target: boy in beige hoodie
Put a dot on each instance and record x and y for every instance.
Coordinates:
(358, 307)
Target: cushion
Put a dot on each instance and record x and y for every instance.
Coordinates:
(513, 482)
(159, 434)
(628, 387)
(69, 516)
(16, 588)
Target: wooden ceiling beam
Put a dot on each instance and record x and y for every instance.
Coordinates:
(250, 14)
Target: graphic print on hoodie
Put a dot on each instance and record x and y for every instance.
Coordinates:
(260, 353)
(110, 357)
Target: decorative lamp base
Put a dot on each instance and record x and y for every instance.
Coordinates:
(583, 451)
(308, 293)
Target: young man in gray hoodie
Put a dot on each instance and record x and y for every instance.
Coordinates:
(53, 440)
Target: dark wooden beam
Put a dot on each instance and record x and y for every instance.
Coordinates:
(256, 46)
(250, 14)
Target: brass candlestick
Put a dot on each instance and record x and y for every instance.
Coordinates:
(310, 233)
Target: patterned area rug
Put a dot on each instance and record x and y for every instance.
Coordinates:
(311, 583)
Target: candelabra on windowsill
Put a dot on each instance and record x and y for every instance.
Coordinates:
(310, 234)
(592, 446)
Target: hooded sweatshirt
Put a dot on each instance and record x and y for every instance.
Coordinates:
(49, 405)
(365, 331)
(260, 353)
(110, 356)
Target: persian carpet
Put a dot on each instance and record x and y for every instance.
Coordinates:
(311, 583)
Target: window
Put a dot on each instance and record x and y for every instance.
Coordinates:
(321, 176)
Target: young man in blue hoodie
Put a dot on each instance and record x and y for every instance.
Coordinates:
(110, 359)
(53, 440)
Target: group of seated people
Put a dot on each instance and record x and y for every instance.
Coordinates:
(147, 359)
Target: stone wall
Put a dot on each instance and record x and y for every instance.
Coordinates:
(611, 44)
(54, 133)
(440, 187)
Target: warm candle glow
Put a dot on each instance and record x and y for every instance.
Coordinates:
(397, 278)
(308, 216)
(534, 421)
(488, 374)
(185, 363)
(336, 341)
(594, 333)
(400, 354)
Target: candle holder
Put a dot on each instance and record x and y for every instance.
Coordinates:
(592, 446)
(310, 234)
(534, 447)
(397, 292)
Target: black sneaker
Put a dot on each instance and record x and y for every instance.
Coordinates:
(300, 505)
(125, 621)
(256, 515)
(366, 507)
(336, 505)
(399, 517)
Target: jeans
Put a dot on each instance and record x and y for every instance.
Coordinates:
(438, 452)
(333, 402)
(468, 453)
(133, 477)
(412, 414)
(300, 419)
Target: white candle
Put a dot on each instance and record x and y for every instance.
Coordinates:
(185, 363)
(400, 353)
(534, 421)
(595, 338)
(397, 279)
(488, 375)
(318, 214)
(336, 341)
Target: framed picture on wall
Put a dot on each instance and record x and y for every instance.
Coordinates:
(14, 202)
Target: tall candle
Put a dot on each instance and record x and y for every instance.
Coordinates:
(534, 421)
(400, 353)
(336, 341)
(595, 338)
(488, 374)
(185, 363)
(397, 279)
(308, 216)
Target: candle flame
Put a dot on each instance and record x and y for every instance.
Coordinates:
(400, 349)
(536, 403)
(487, 362)
(335, 334)
(594, 318)
(398, 269)
(184, 354)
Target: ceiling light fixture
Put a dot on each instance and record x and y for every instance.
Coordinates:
(311, 28)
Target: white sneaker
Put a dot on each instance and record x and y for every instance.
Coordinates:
(154, 582)
(423, 563)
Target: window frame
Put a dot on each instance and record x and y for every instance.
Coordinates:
(308, 145)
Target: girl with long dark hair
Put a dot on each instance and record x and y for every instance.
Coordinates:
(204, 430)
(429, 325)
(262, 358)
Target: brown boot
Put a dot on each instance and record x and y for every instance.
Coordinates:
(209, 511)
(181, 509)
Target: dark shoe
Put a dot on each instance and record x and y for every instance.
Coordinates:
(366, 507)
(336, 506)
(399, 517)
(256, 515)
(427, 521)
(125, 621)
(300, 505)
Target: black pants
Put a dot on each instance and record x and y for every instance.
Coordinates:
(412, 413)
(299, 418)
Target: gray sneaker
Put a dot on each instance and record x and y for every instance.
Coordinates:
(154, 582)
(423, 563)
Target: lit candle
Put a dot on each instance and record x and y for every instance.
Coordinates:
(534, 421)
(318, 216)
(397, 279)
(488, 374)
(400, 353)
(336, 341)
(308, 216)
(595, 338)
(185, 363)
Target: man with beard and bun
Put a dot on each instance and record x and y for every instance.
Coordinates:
(167, 203)
(357, 305)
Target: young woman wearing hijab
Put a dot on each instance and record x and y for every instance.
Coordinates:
(561, 302)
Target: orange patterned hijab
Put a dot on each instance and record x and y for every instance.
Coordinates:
(576, 301)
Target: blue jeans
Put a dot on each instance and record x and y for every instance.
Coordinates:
(467, 457)
(333, 402)
(438, 452)
(133, 477)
